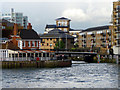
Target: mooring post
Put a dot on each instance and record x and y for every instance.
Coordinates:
(117, 59)
(98, 58)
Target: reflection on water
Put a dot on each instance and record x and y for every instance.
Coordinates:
(77, 76)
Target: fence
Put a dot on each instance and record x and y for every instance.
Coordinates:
(25, 58)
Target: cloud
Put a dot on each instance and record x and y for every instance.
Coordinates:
(76, 15)
(91, 14)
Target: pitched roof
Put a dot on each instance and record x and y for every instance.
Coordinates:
(56, 33)
(50, 26)
(96, 28)
(63, 18)
(7, 33)
(9, 24)
(75, 30)
(28, 34)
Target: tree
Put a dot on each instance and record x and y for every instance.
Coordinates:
(76, 45)
(60, 45)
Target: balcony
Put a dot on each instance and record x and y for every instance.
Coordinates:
(115, 36)
(84, 41)
(109, 39)
(117, 8)
(118, 37)
(103, 39)
(109, 33)
(84, 36)
(103, 34)
(117, 30)
(93, 41)
(84, 46)
(93, 34)
(103, 45)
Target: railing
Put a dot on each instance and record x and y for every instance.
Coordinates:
(25, 58)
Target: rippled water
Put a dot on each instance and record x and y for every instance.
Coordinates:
(78, 76)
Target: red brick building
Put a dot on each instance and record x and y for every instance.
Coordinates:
(25, 38)
(19, 38)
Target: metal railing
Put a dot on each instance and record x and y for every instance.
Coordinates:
(25, 58)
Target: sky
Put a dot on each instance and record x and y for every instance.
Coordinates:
(83, 13)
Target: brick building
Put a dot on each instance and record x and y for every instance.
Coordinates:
(116, 26)
(98, 37)
(49, 40)
(21, 38)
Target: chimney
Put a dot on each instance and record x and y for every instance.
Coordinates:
(29, 26)
(15, 29)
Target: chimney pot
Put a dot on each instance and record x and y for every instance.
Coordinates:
(29, 26)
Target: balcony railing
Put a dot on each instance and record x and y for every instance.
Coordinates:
(84, 36)
(103, 34)
(103, 45)
(84, 41)
(93, 34)
(109, 33)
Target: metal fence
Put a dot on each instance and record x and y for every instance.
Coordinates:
(26, 58)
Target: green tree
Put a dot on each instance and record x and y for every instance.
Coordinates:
(76, 45)
(60, 45)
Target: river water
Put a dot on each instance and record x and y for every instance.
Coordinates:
(84, 75)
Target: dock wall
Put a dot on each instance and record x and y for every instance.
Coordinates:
(35, 64)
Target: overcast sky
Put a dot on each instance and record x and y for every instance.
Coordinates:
(83, 13)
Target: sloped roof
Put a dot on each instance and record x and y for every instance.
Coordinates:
(63, 18)
(75, 29)
(56, 33)
(7, 33)
(96, 28)
(28, 34)
(50, 26)
(9, 24)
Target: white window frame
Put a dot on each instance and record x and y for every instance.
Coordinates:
(24, 44)
(33, 43)
(18, 43)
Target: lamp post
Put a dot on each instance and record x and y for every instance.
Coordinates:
(66, 42)
(50, 49)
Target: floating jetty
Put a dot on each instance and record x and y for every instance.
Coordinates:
(36, 64)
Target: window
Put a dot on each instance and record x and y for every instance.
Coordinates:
(23, 43)
(50, 38)
(65, 30)
(18, 43)
(33, 44)
(29, 44)
(36, 43)
(3, 27)
(47, 44)
(42, 44)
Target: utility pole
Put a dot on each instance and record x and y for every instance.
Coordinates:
(59, 42)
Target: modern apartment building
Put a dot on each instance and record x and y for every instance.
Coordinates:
(16, 17)
(116, 25)
(97, 37)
